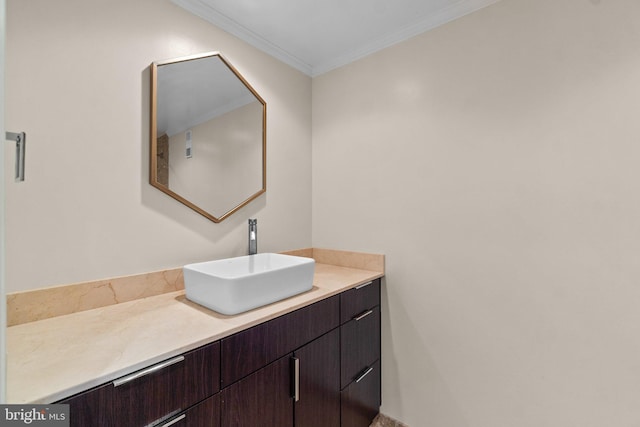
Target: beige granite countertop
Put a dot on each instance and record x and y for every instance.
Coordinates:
(57, 357)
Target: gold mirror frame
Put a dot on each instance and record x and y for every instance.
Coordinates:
(154, 151)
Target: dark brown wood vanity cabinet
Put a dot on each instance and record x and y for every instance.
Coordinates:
(268, 396)
(180, 391)
(285, 372)
(91, 407)
(360, 354)
(318, 366)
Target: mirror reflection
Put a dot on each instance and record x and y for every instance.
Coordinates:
(208, 142)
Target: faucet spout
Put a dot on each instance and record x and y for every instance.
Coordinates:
(253, 236)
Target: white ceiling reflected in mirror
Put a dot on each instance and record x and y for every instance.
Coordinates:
(208, 135)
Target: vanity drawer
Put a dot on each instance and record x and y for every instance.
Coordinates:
(204, 414)
(167, 388)
(91, 407)
(250, 350)
(359, 299)
(360, 402)
(359, 345)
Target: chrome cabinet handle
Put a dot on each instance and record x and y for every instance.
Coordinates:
(21, 145)
(296, 379)
(363, 315)
(363, 285)
(175, 420)
(147, 371)
(361, 377)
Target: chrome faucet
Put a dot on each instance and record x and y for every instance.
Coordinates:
(253, 236)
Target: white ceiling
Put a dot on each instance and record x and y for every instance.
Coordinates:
(194, 90)
(316, 36)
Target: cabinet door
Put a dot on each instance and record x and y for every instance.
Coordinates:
(361, 399)
(318, 403)
(261, 399)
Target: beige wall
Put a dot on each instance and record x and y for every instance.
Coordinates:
(77, 81)
(495, 161)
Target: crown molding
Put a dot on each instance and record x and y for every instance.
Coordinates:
(227, 24)
(433, 20)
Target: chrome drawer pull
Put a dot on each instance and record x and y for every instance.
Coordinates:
(361, 377)
(149, 370)
(363, 285)
(363, 315)
(175, 420)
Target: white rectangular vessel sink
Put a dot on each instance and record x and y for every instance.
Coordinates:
(234, 285)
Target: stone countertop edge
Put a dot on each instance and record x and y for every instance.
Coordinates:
(55, 358)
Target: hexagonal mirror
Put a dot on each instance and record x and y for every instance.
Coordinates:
(208, 135)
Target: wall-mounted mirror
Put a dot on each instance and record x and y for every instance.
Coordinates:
(208, 135)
